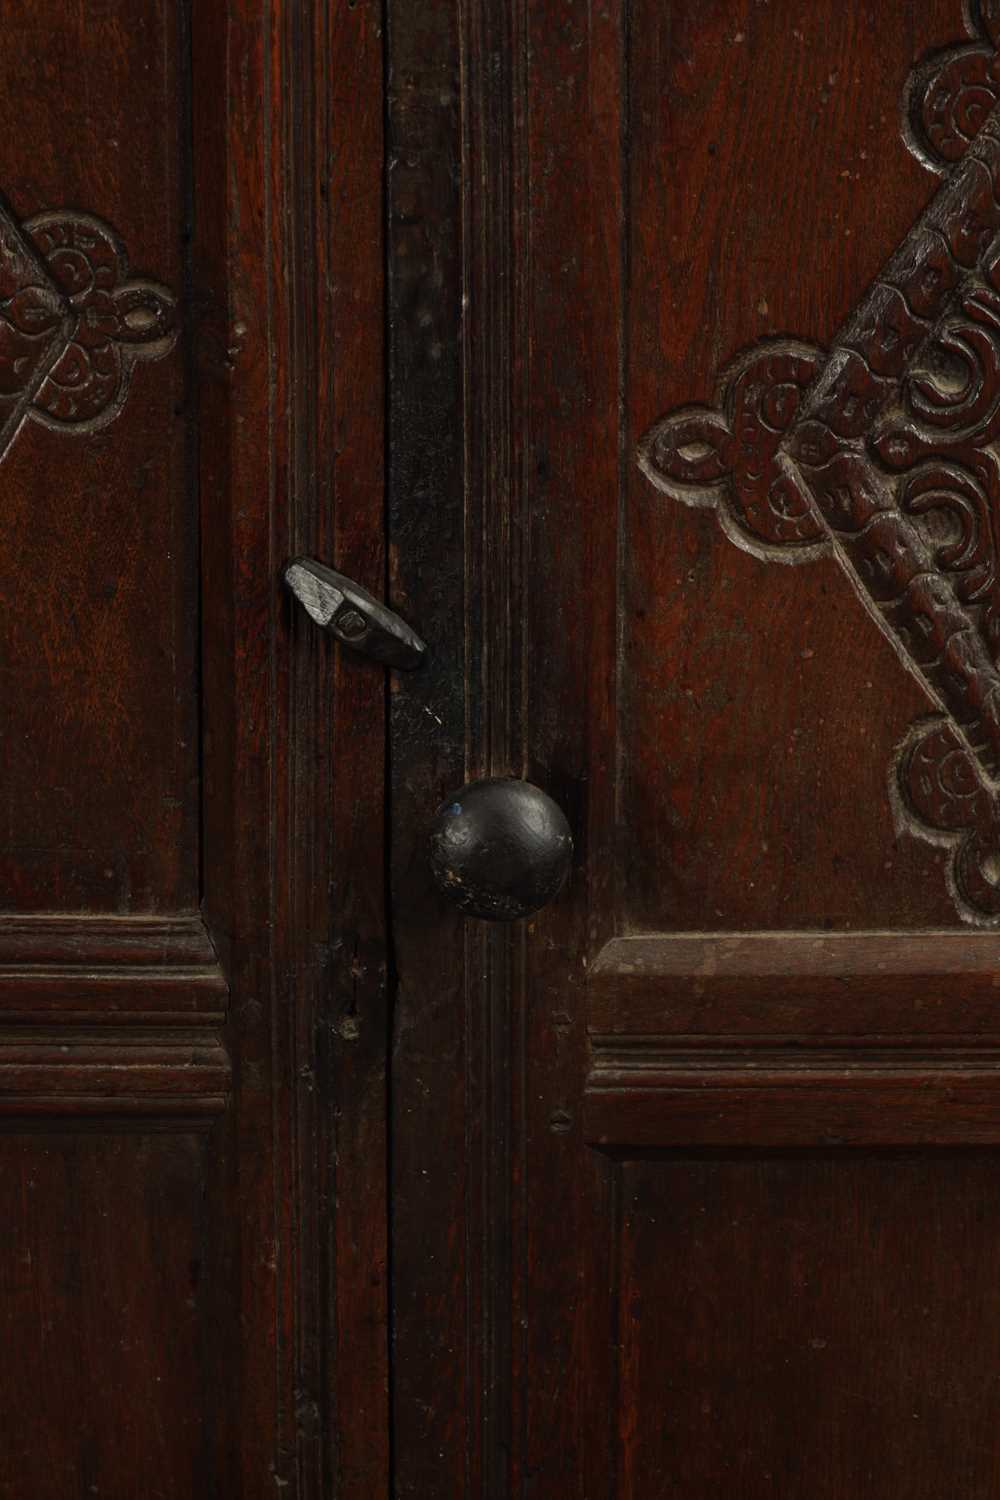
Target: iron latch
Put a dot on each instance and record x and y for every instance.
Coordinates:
(353, 615)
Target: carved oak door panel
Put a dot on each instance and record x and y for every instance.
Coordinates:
(722, 1123)
(174, 945)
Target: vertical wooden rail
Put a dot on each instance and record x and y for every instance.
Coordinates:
(292, 364)
(455, 550)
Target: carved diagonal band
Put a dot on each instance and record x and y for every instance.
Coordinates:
(884, 452)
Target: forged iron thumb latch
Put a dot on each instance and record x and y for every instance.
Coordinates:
(354, 616)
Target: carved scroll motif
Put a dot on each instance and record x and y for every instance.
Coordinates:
(884, 451)
(73, 323)
(727, 456)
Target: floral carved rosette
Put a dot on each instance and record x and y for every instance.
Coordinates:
(882, 451)
(727, 457)
(950, 96)
(73, 323)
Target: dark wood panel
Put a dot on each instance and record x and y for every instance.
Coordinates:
(98, 589)
(111, 1390)
(657, 185)
(769, 184)
(784, 1329)
(187, 1098)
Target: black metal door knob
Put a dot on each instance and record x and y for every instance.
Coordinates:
(500, 849)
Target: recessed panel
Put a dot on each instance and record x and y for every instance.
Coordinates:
(763, 707)
(98, 613)
(110, 1315)
(785, 1331)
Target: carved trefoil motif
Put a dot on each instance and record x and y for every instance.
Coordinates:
(884, 452)
(73, 323)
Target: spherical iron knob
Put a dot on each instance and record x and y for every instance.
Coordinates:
(500, 849)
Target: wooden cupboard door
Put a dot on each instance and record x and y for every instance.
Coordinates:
(696, 1171)
(182, 964)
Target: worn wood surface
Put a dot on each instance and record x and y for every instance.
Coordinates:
(192, 925)
(732, 1102)
(720, 1125)
(435, 1312)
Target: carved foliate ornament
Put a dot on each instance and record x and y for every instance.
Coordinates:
(883, 451)
(73, 323)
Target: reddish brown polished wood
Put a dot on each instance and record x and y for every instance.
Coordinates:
(192, 926)
(691, 1170)
(690, 1178)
